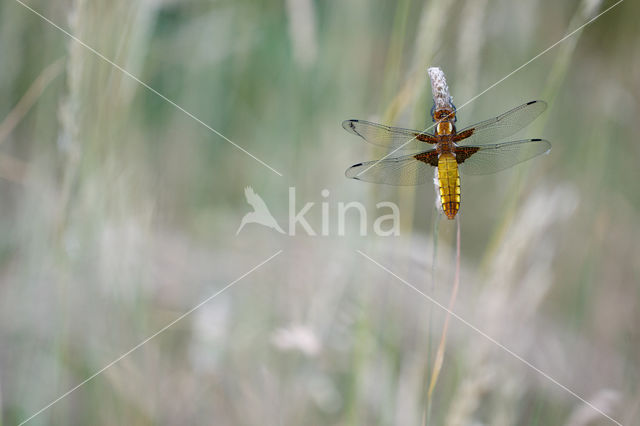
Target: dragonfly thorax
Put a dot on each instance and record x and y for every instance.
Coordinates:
(444, 119)
(445, 128)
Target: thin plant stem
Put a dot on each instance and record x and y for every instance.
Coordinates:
(439, 359)
(30, 97)
(426, 415)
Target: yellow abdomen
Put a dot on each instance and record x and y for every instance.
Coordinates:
(449, 181)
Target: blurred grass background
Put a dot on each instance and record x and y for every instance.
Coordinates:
(118, 213)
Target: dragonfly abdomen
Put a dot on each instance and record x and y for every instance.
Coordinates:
(449, 181)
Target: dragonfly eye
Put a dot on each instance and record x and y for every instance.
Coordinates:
(433, 110)
(444, 114)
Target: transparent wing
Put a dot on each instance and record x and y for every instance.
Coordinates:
(389, 137)
(502, 126)
(404, 170)
(493, 158)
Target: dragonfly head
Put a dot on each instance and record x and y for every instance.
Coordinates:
(443, 114)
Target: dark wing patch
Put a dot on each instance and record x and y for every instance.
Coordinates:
(464, 152)
(426, 137)
(429, 157)
(463, 135)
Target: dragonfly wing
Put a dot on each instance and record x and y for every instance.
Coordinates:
(486, 159)
(405, 170)
(502, 126)
(395, 138)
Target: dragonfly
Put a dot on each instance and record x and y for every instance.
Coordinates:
(470, 151)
